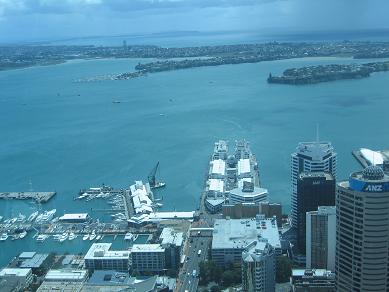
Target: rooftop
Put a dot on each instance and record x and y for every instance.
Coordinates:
(170, 236)
(35, 262)
(239, 233)
(218, 166)
(17, 272)
(27, 255)
(315, 150)
(244, 166)
(66, 275)
(256, 192)
(216, 185)
(101, 250)
(136, 248)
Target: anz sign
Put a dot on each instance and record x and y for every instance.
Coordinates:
(374, 188)
(363, 186)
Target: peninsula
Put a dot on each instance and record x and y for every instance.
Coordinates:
(326, 73)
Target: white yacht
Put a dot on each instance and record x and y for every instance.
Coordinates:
(23, 234)
(4, 237)
(41, 237)
(93, 235)
(85, 237)
(32, 216)
(129, 236)
(98, 237)
(72, 236)
(63, 237)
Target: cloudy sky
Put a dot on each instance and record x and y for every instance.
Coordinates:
(55, 19)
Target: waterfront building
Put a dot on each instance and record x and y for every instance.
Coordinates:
(31, 260)
(310, 157)
(314, 189)
(258, 268)
(312, 280)
(321, 238)
(362, 231)
(141, 197)
(232, 236)
(148, 258)
(250, 210)
(247, 193)
(172, 242)
(100, 257)
(16, 278)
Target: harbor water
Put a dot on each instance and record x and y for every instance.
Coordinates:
(60, 135)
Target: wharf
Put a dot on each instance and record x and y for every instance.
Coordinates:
(40, 197)
(364, 162)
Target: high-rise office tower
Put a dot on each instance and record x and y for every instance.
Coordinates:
(320, 238)
(258, 268)
(314, 189)
(362, 232)
(310, 157)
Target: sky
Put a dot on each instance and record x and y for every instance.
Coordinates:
(27, 20)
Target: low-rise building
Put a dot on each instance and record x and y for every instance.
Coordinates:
(100, 257)
(18, 278)
(232, 236)
(315, 280)
(148, 258)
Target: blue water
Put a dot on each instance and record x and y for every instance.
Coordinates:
(64, 136)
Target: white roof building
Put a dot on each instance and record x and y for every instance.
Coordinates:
(170, 236)
(244, 166)
(140, 198)
(218, 167)
(216, 185)
(101, 251)
(67, 275)
(239, 233)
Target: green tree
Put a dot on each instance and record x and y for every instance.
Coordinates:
(227, 278)
(215, 289)
(283, 269)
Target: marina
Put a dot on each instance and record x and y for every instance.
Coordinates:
(39, 197)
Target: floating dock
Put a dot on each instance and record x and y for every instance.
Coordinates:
(40, 197)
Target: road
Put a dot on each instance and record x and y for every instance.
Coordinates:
(188, 281)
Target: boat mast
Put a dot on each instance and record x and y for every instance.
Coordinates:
(151, 176)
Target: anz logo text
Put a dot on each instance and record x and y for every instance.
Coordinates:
(373, 188)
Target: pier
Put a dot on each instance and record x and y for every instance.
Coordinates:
(366, 162)
(40, 197)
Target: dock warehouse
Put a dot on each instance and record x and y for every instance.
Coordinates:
(74, 218)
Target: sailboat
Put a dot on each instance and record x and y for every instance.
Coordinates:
(153, 183)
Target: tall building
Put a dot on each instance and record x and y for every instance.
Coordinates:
(362, 232)
(310, 157)
(314, 189)
(258, 268)
(320, 238)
